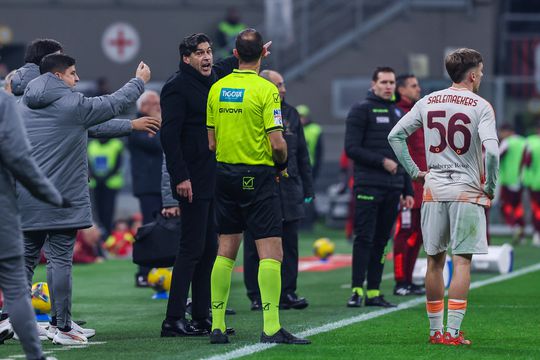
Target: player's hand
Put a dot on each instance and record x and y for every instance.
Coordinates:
(390, 165)
(266, 48)
(143, 72)
(421, 177)
(147, 123)
(170, 212)
(489, 194)
(184, 190)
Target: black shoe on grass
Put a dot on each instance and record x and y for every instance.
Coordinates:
(355, 300)
(218, 337)
(379, 301)
(283, 337)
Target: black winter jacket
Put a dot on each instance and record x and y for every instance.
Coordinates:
(299, 184)
(366, 143)
(146, 157)
(184, 136)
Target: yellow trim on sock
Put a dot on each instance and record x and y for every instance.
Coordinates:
(358, 290)
(373, 293)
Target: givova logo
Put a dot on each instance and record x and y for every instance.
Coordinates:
(231, 95)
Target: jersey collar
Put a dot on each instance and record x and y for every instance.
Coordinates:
(238, 71)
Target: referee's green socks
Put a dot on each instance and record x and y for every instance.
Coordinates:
(220, 284)
(270, 287)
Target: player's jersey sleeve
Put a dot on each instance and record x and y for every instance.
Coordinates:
(210, 118)
(397, 138)
(272, 111)
(486, 127)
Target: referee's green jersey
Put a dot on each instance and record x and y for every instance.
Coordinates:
(242, 109)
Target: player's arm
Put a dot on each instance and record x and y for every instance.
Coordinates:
(398, 141)
(279, 148)
(210, 121)
(273, 125)
(487, 131)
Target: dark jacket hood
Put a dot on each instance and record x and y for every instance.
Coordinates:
(44, 90)
(22, 77)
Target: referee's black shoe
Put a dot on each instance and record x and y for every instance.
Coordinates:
(218, 337)
(355, 300)
(206, 326)
(283, 337)
(379, 301)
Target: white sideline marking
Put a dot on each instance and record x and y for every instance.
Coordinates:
(251, 349)
(60, 348)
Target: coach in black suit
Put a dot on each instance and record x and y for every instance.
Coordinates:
(192, 172)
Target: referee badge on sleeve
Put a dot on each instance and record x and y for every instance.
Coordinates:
(278, 121)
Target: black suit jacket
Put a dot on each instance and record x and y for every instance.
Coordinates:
(184, 136)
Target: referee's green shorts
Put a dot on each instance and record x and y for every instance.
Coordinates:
(247, 199)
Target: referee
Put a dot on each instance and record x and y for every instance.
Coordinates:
(245, 129)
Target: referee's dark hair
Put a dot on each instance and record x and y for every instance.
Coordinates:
(39, 48)
(190, 43)
(55, 63)
(249, 45)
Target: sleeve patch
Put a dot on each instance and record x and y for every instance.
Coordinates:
(278, 121)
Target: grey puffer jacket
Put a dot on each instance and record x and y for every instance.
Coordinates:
(22, 77)
(57, 120)
(16, 163)
(110, 129)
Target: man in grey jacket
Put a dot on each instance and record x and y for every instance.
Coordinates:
(57, 120)
(17, 163)
(35, 52)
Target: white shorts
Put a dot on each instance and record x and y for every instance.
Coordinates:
(462, 225)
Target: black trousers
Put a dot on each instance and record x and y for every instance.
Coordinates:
(289, 267)
(196, 255)
(105, 200)
(375, 213)
(150, 205)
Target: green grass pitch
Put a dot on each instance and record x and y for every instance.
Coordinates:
(502, 319)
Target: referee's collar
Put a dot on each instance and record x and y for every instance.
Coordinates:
(238, 71)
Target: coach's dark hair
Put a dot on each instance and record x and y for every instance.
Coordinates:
(190, 43)
(380, 69)
(401, 80)
(459, 62)
(56, 63)
(249, 44)
(40, 48)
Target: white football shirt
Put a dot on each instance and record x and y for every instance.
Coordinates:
(456, 122)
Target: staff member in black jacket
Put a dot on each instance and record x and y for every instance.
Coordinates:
(295, 189)
(379, 184)
(192, 176)
(146, 159)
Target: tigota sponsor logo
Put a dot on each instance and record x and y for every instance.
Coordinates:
(231, 95)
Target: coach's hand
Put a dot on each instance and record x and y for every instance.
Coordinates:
(184, 190)
(266, 50)
(147, 123)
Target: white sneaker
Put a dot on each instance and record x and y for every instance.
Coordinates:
(71, 337)
(88, 333)
(536, 239)
(6, 331)
(42, 332)
(51, 331)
